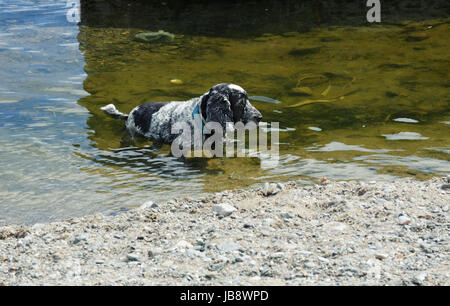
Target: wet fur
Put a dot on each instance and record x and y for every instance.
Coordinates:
(223, 103)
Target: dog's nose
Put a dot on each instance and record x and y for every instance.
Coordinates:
(258, 117)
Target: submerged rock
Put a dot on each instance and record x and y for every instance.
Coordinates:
(303, 90)
(154, 37)
(417, 36)
(304, 51)
(176, 81)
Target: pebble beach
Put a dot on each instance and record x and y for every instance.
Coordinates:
(329, 233)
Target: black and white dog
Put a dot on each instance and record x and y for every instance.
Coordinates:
(223, 103)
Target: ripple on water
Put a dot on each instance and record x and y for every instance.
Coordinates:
(62, 157)
(405, 136)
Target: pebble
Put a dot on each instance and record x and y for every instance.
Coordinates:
(309, 265)
(419, 278)
(217, 266)
(132, 257)
(176, 81)
(223, 209)
(381, 256)
(404, 220)
(286, 215)
(183, 244)
(80, 238)
(229, 246)
(271, 189)
(148, 204)
(337, 226)
(265, 271)
(237, 259)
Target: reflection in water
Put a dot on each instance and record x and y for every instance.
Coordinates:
(367, 102)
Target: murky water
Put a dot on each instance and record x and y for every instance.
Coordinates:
(385, 109)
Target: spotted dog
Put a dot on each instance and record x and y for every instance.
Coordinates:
(223, 103)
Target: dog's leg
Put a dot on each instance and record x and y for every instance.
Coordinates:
(127, 139)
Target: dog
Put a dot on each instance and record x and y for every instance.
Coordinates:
(222, 103)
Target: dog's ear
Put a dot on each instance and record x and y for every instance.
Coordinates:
(218, 109)
(203, 104)
(238, 106)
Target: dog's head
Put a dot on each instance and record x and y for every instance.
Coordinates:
(228, 103)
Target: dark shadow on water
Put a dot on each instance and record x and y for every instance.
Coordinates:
(240, 18)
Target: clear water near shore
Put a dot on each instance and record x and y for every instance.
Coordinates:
(62, 157)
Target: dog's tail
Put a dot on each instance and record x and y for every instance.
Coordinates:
(111, 110)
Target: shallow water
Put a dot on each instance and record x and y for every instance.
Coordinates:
(386, 115)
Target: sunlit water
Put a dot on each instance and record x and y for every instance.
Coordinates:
(385, 113)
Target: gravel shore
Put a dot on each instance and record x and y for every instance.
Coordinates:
(332, 233)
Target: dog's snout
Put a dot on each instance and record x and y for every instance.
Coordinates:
(253, 113)
(257, 117)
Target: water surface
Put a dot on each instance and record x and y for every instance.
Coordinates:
(386, 114)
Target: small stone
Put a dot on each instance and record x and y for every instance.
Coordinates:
(380, 201)
(381, 256)
(132, 257)
(277, 255)
(404, 220)
(426, 249)
(286, 215)
(417, 36)
(337, 226)
(270, 189)
(265, 271)
(309, 265)
(148, 204)
(323, 181)
(445, 186)
(217, 266)
(237, 259)
(182, 244)
(176, 81)
(80, 238)
(229, 246)
(419, 278)
(223, 209)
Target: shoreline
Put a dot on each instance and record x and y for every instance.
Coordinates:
(332, 233)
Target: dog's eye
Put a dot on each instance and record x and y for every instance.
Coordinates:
(242, 96)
